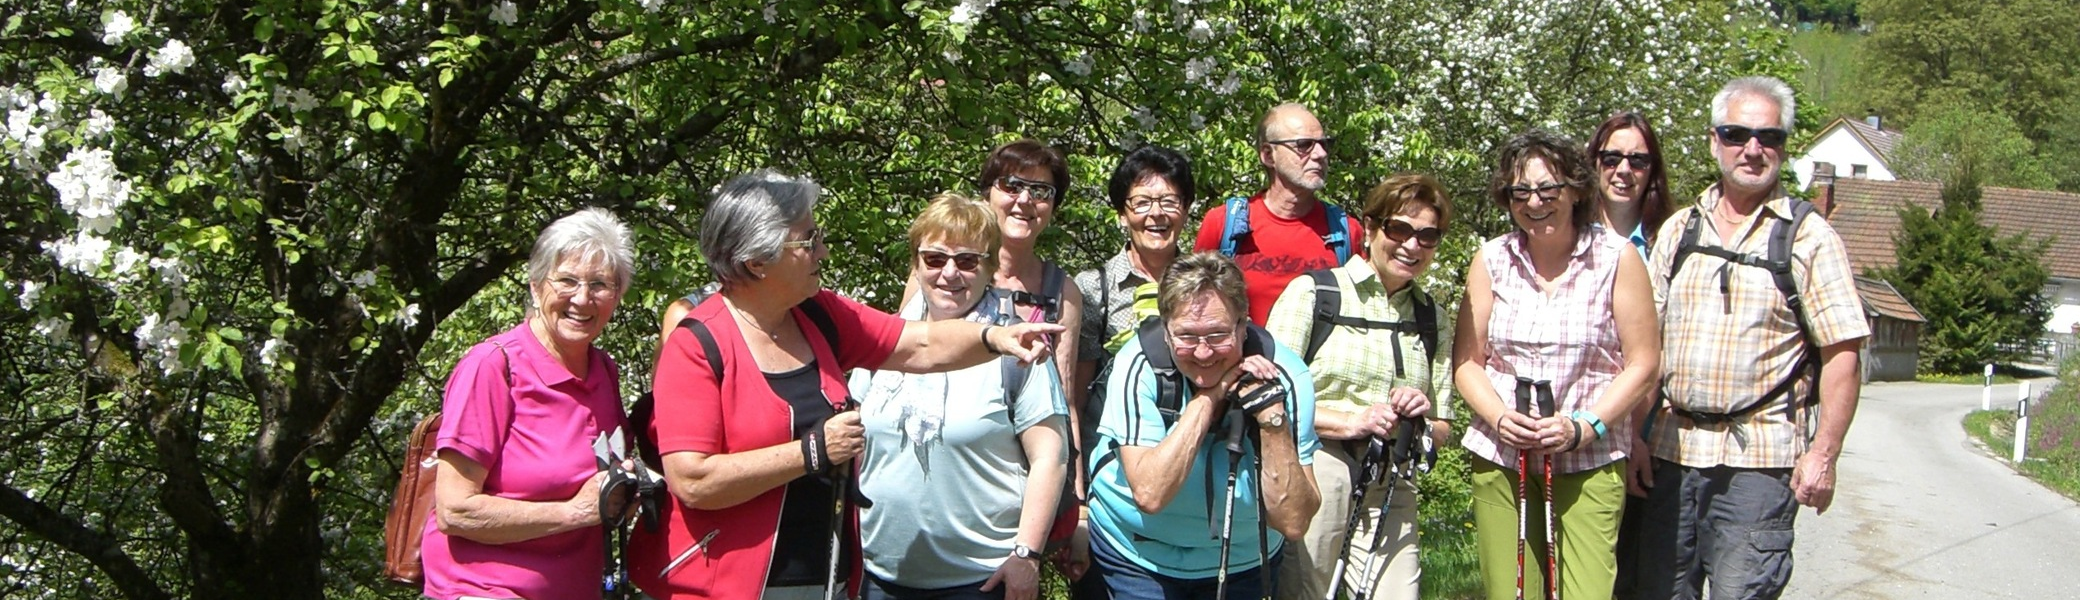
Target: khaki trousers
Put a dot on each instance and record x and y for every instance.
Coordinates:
(1310, 563)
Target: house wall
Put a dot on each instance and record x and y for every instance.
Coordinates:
(1892, 351)
(1840, 147)
(2059, 332)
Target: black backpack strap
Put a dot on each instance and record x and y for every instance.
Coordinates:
(1328, 305)
(1155, 348)
(821, 317)
(1777, 259)
(1687, 243)
(1426, 322)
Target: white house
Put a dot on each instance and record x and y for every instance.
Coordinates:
(1852, 149)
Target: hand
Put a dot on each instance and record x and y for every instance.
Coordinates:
(1073, 561)
(1639, 469)
(1554, 433)
(1518, 430)
(1030, 342)
(1019, 576)
(1812, 481)
(1258, 366)
(617, 504)
(585, 505)
(1408, 401)
(843, 437)
(1379, 420)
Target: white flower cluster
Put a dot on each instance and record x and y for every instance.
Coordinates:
(84, 253)
(98, 124)
(506, 13)
(174, 58)
(170, 272)
(52, 328)
(1081, 65)
(234, 85)
(28, 119)
(1200, 32)
(1197, 68)
(296, 98)
(90, 187)
(966, 12)
(409, 316)
(30, 292)
(652, 6)
(116, 25)
(271, 349)
(163, 339)
(111, 81)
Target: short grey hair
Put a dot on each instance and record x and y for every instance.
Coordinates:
(749, 218)
(592, 234)
(1200, 272)
(1762, 86)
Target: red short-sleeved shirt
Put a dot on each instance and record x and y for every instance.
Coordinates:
(1276, 250)
(695, 413)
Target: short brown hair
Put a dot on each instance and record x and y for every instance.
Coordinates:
(1019, 156)
(1563, 156)
(1406, 194)
(1200, 272)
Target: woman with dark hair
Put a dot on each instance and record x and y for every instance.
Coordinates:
(753, 420)
(1631, 177)
(1537, 323)
(1024, 181)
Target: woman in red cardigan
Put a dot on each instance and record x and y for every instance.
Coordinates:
(748, 456)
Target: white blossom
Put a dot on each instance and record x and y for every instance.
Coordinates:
(90, 187)
(965, 13)
(771, 12)
(269, 350)
(1197, 68)
(1145, 117)
(506, 13)
(98, 124)
(1081, 65)
(116, 25)
(174, 57)
(653, 5)
(1198, 121)
(31, 290)
(169, 270)
(84, 253)
(128, 259)
(296, 98)
(409, 317)
(292, 139)
(1201, 31)
(111, 81)
(364, 279)
(234, 85)
(53, 328)
(163, 338)
(24, 130)
(1229, 85)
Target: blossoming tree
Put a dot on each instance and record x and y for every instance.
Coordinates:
(246, 239)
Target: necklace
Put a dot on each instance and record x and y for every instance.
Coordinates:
(746, 318)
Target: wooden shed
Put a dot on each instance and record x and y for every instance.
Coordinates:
(1895, 343)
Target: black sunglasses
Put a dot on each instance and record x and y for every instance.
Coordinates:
(1638, 160)
(1399, 232)
(965, 261)
(1736, 135)
(1304, 146)
(1039, 191)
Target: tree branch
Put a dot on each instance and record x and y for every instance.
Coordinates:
(105, 553)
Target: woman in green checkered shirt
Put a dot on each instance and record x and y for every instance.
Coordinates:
(1380, 365)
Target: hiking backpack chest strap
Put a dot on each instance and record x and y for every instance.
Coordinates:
(1777, 260)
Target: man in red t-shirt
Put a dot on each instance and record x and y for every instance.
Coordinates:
(1287, 229)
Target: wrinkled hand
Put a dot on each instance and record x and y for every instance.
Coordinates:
(1518, 430)
(843, 437)
(1408, 401)
(1812, 481)
(1639, 470)
(1030, 342)
(1258, 366)
(1554, 433)
(586, 502)
(1261, 372)
(1019, 576)
(1379, 420)
(1075, 559)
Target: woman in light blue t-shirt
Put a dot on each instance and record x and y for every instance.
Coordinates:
(964, 481)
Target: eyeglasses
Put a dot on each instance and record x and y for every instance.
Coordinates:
(1736, 135)
(1304, 146)
(1549, 190)
(566, 287)
(1191, 343)
(1638, 160)
(1039, 191)
(1142, 205)
(965, 261)
(1399, 232)
(814, 239)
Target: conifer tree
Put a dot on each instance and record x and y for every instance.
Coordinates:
(1981, 292)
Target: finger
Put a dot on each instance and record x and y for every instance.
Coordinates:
(994, 578)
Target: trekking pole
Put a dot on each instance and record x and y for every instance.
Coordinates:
(832, 585)
(1523, 502)
(1235, 433)
(1367, 471)
(1400, 465)
(1545, 406)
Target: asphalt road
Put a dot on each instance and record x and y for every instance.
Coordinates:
(1924, 512)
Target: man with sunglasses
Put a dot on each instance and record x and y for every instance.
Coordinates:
(1287, 229)
(1760, 323)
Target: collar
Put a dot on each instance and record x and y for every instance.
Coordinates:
(523, 347)
(1120, 273)
(1778, 205)
(1366, 281)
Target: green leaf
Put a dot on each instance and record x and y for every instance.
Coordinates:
(264, 30)
(377, 121)
(231, 333)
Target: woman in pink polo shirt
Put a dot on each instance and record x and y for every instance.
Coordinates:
(753, 411)
(516, 493)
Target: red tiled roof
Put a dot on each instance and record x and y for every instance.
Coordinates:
(1866, 215)
(1881, 298)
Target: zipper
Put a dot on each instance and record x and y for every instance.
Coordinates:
(680, 560)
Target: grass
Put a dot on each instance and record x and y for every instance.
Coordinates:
(1971, 379)
(2053, 453)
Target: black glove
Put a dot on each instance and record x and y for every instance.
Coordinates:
(1254, 395)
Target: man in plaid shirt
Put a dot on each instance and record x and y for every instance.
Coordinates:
(1738, 442)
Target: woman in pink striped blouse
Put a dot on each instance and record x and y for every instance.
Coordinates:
(1558, 319)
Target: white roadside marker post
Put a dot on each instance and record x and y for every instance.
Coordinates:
(2021, 423)
(1986, 392)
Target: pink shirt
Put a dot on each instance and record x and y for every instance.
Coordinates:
(1568, 338)
(535, 440)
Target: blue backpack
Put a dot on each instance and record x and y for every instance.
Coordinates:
(1237, 225)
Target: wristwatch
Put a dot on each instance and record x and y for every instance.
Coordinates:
(1024, 551)
(1276, 421)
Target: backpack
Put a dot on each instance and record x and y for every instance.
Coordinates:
(1328, 309)
(1237, 225)
(404, 527)
(1777, 260)
(1066, 514)
(1049, 299)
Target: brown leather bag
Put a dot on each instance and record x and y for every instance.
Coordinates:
(409, 506)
